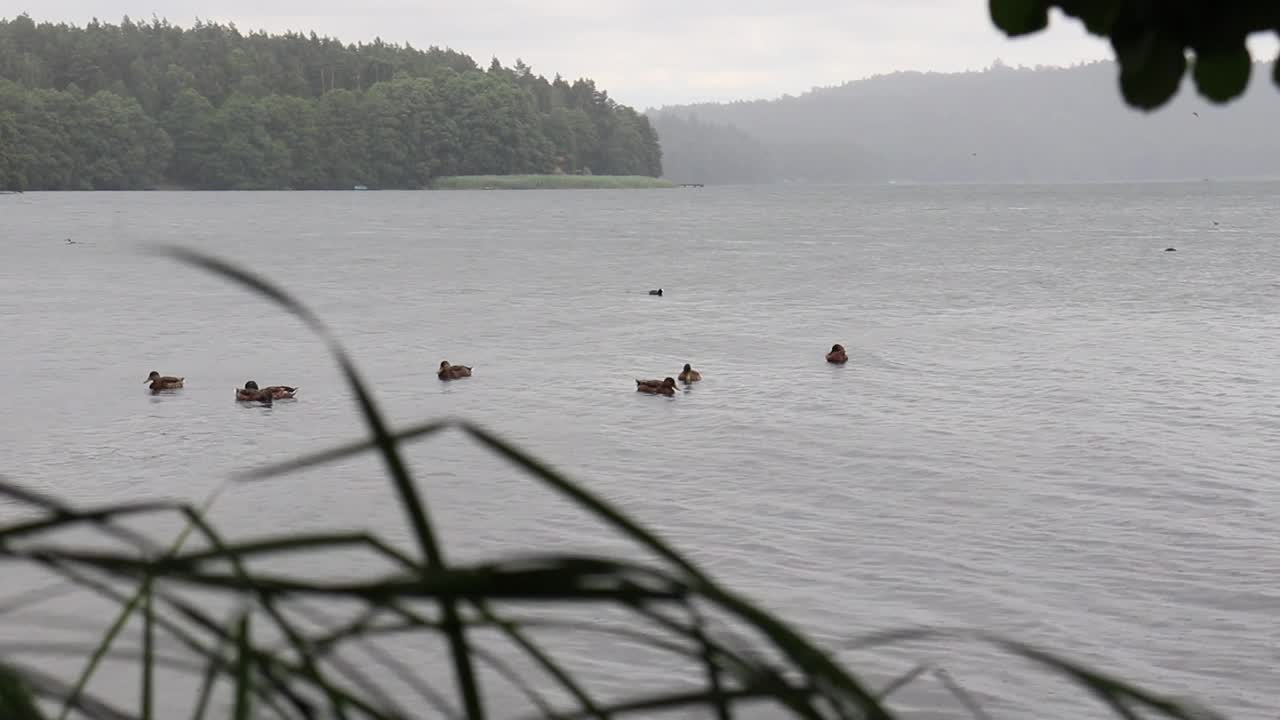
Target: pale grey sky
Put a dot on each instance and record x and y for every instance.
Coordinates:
(651, 52)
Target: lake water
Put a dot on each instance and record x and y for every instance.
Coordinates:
(1049, 427)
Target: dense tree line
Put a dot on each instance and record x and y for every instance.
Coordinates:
(140, 105)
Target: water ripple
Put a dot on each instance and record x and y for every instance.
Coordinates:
(1048, 427)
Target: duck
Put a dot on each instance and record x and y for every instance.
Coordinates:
(837, 355)
(666, 386)
(689, 375)
(452, 372)
(657, 292)
(163, 382)
(254, 394)
(251, 391)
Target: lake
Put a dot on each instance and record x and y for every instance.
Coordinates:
(1049, 427)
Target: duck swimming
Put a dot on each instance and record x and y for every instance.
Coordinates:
(452, 372)
(254, 394)
(666, 386)
(837, 355)
(251, 391)
(657, 292)
(689, 375)
(163, 382)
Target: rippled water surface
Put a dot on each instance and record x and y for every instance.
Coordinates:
(1049, 427)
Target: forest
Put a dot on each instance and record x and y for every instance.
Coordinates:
(999, 124)
(153, 105)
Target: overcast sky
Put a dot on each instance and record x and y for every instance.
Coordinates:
(650, 52)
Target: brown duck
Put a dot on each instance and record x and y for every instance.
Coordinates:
(666, 386)
(452, 372)
(163, 382)
(251, 392)
(689, 375)
(837, 355)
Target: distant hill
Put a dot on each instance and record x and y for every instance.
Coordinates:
(998, 125)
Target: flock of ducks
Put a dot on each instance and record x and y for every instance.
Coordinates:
(249, 393)
(667, 385)
(267, 395)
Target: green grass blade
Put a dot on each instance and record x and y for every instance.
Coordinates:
(207, 682)
(568, 582)
(244, 582)
(677, 700)
(499, 666)
(342, 452)
(64, 518)
(364, 627)
(543, 660)
(896, 637)
(749, 674)
(17, 702)
(581, 496)
(272, 668)
(243, 708)
(119, 623)
(148, 653)
(410, 500)
(247, 549)
(806, 656)
(194, 616)
(43, 685)
(1117, 694)
(361, 631)
(36, 595)
(62, 510)
(103, 648)
(957, 691)
(636, 636)
(902, 681)
(28, 496)
(714, 679)
(71, 648)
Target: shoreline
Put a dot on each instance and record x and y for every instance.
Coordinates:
(550, 182)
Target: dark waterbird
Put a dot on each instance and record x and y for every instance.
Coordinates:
(666, 386)
(251, 392)
(770, 658)
(452, 372)
(163, 382)
(657, 292)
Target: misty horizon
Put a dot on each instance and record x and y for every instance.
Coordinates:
(706, 75)
(650, 57)
(1003, 124)
(1008, 122)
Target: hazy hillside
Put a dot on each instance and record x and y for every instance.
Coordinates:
(1001, 124)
